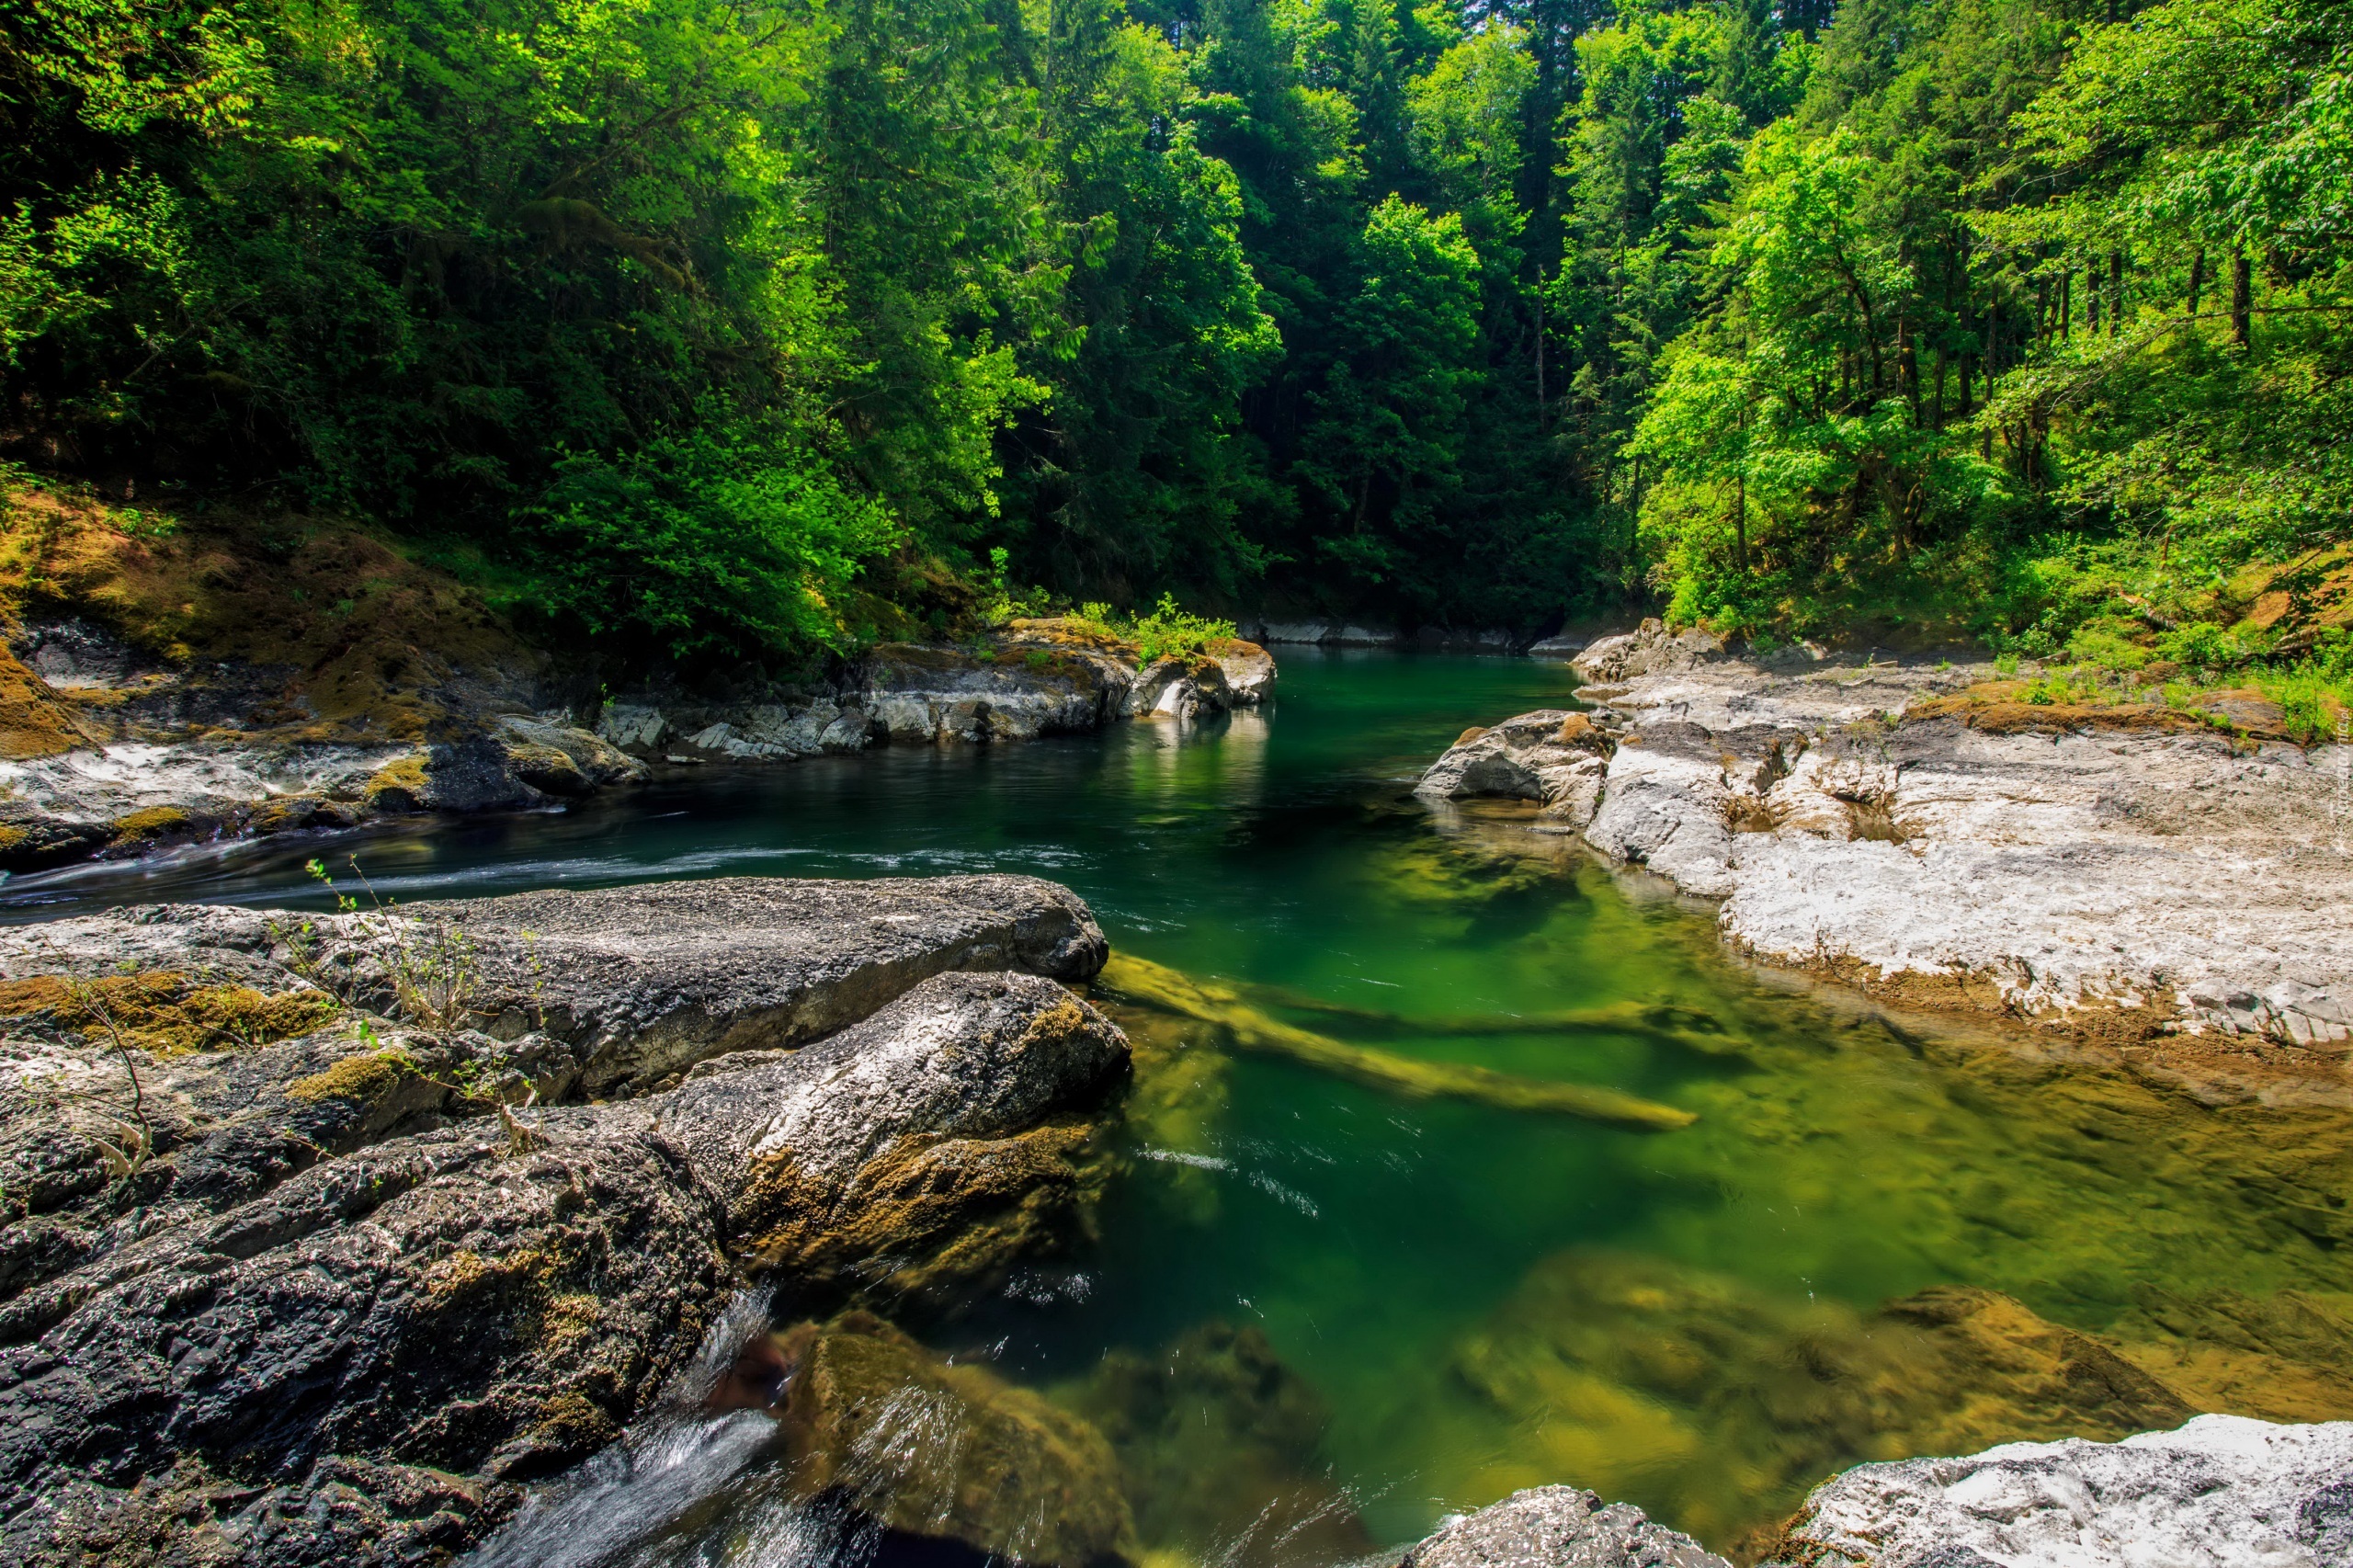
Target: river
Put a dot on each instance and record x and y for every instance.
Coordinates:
(1319, 1317)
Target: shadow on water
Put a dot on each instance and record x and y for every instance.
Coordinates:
(1319, 1312)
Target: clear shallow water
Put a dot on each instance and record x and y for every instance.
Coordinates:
(1307, 1288)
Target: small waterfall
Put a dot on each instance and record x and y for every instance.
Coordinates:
(684, 1490)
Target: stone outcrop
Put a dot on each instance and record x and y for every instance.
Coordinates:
(119, 799)
(1031, 678)
(2129, 871)
(1554, 757)
(338, 1294)
(2221, 1492)
(1558, 1527)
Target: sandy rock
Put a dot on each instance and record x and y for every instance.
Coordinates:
(491, 1302)
(2221, 1492)
(1305, 632)
(1558, 1527)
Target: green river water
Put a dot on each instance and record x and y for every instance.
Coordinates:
(1319, 1317)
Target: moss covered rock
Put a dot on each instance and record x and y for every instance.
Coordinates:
(949, 1452)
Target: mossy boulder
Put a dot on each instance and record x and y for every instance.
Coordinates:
(949, 1452)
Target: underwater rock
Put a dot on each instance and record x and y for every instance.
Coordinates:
(275, 1295)
(948, 1452)
(639, 981)
(1558, 1527)
(1253, 1029)
(1217, 1441)
(2221, 1492)
(1718, 1403)
(2134, 883)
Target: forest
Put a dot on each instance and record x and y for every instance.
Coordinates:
(758, 327)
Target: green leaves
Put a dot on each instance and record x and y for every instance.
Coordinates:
(706, 542)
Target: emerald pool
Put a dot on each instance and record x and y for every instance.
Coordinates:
(1318, 1317)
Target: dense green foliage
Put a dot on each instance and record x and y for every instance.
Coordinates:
(716, 324)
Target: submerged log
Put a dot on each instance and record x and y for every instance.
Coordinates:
(1253, 1029)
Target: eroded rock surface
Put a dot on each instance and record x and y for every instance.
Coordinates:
(351, 1294)
(2124, 872)
(2221, 1491)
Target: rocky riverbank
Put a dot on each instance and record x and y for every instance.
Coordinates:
(2171, 882)
(335, 1292)
(113, 753)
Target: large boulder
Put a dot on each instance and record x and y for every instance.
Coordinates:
(2221, 1491)
(1249, 671)
(1649, 649)
(418, 1322)
(1552, 756)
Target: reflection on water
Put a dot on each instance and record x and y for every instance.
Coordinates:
(1324, 1311)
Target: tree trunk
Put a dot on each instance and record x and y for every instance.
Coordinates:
(2241, 301)
(1740, 524)
(2197, 279)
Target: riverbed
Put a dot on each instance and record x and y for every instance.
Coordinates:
(1319, 1317)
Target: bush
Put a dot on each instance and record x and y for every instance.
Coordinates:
(711, 542)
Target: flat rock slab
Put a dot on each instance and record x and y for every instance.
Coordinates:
(638, 983)
(649, 980)
(2221, 1492)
